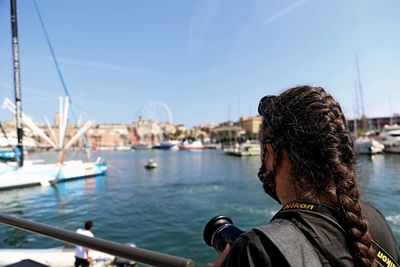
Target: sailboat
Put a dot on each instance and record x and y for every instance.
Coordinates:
(364, 145)
(21, 173)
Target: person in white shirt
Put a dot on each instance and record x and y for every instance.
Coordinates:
(82, 257)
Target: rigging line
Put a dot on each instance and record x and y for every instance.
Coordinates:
(61, 76)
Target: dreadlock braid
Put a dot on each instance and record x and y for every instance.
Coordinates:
(311, 127)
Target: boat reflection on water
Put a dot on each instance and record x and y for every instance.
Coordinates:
(90, 185)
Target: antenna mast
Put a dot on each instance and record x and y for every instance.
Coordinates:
(17, 83)
(361, 94)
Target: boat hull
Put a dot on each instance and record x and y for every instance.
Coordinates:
(244, 150)
(59, 257)
(391, 138)
(392, 149)
(47, 174)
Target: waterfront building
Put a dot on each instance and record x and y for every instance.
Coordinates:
(182, 131)
(374, 123)
(148, 131)
(251, 125)
(109, 136)
(227, 133)
(201, 132)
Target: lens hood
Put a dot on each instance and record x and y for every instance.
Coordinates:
(213, 225)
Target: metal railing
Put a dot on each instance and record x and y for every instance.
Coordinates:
(139, 255)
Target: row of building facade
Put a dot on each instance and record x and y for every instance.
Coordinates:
(115, 135)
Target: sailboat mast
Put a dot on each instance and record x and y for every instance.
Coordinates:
(17, 82)
(363, 117)
(360, 87)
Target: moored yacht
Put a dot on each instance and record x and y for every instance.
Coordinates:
(168, 145)
(245, 149)
(195, 145)
(390, 137)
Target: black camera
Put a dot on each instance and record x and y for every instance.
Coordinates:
(220, 231)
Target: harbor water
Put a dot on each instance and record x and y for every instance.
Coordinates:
(165, 209)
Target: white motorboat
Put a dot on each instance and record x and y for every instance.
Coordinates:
(390, 137)
(195, 145)
(368, 146)
(168, 145)
(245, 149)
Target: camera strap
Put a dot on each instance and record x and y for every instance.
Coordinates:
(322, 210)
(331, 214)
(290, 241)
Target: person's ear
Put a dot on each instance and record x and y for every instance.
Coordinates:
(269, 160)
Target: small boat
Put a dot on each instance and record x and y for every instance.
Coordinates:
(151, 164)
(246, 149)
(232, 150)
(368, 146)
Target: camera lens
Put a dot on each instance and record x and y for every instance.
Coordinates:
(220, 231)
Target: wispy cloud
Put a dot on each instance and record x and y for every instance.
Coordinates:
(201, 22)
(284, 11)
(92, 64)
(40, 94)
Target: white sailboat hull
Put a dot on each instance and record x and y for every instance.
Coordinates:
(59, 257)
(45, 174)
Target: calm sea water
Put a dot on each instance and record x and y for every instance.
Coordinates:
(165, 209)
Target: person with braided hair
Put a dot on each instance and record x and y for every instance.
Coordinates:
(308, 166)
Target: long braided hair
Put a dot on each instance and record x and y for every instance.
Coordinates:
(309, 124)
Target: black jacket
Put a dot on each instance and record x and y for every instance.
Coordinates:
(322, 230)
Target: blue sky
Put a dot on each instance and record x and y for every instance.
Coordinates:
(209, 60)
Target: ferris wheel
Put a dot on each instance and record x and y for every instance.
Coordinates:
(155, 111)
(150, 120)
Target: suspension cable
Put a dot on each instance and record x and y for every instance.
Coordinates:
(64, 85)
